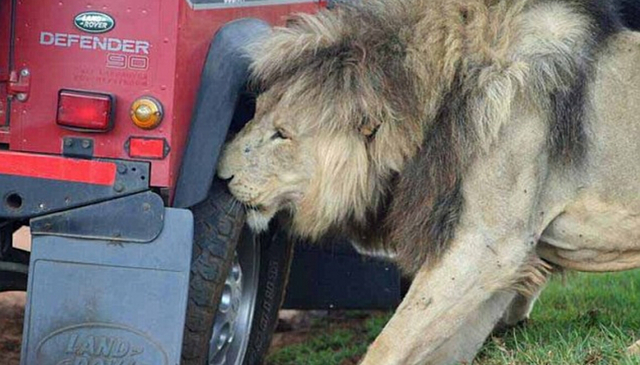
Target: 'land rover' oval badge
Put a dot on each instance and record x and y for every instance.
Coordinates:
(94, 22)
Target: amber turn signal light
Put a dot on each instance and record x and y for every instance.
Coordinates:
(146, 112)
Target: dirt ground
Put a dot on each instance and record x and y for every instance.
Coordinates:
(12, 312)
(11, 315)
(294, 327)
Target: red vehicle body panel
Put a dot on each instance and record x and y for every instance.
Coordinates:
(178, 36)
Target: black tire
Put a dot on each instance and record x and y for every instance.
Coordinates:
(275, 262)
(219, 221)
(14, 263)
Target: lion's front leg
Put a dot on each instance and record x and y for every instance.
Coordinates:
(466, 342)
(454, 303)
(450, 309)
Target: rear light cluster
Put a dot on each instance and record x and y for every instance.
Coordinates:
(86, 111)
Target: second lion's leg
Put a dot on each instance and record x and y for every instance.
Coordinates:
(520, 308)
(529, 289)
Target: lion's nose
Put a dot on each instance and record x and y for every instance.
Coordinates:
(224, 178)
(224, 175)
(223, 172)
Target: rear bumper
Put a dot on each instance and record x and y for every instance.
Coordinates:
(32, 185)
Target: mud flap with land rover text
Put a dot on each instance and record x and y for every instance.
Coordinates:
(107, 302)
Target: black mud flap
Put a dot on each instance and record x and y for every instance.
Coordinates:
(108, 302)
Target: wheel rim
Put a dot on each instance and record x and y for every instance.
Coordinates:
(232, 325)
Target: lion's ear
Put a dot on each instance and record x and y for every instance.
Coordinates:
(369, 127)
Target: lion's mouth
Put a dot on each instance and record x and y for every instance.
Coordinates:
(258, 216)
(259, 208)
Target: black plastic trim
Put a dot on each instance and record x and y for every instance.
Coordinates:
(223, 80)
(26, 197)
(133, 218)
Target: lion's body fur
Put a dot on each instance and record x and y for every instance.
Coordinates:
(430, 80)
(476, 140)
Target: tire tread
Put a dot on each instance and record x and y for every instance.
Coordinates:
(217, 227)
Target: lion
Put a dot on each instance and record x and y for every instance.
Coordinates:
(480, 143)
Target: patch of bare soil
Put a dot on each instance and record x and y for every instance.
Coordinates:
(295, 327)
(11, 317)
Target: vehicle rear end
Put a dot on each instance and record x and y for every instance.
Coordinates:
(97, 108)
(72, 76)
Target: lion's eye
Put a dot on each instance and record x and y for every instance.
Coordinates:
(279, 135)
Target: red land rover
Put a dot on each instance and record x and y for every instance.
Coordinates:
(112, 115)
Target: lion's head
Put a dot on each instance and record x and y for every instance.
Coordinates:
(323, 142)
(296, 154)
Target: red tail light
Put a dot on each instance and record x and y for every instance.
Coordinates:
(85, 111)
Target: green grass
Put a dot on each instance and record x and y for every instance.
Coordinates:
(333, 344)
(589, 319)
(333, 348)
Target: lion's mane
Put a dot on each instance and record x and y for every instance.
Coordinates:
(425, 86)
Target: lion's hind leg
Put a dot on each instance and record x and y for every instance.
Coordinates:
(634, 349)
(534, 279)
(518, 310)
